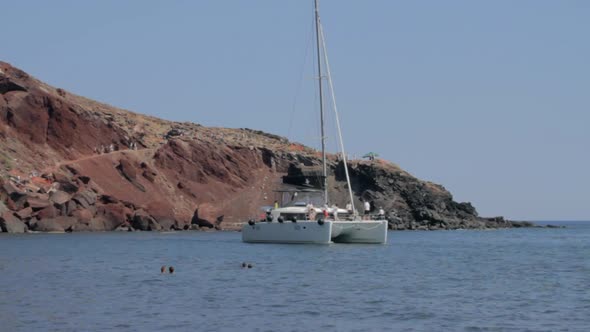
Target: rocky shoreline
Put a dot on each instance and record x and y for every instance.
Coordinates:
(72, 205)
(68, 200)
(62, 205)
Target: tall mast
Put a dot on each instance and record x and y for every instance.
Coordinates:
(323, 136)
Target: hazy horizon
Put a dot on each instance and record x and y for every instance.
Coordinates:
(489, 100)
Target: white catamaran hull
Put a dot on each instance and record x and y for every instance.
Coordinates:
(305, 231)
(373, 231)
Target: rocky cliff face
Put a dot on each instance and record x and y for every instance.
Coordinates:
(68, 163)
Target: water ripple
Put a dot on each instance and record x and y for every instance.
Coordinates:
(506, 280)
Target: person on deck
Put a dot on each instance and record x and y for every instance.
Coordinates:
(276, 205)
(310, 211)
(367, 206)
(349, 208)
(335, 211)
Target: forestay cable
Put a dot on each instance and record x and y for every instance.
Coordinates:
(337, 119)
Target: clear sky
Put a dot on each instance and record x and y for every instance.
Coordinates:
(489, 98)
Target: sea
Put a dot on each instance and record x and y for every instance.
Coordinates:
(526, 279)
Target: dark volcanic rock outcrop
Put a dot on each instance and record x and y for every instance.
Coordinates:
(68, 163)
(195, 220)
(411, 203)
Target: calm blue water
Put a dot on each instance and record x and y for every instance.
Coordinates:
(505, 280)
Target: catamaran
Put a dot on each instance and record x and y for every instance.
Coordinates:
(305, 215)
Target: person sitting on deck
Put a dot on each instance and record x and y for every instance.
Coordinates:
(310, 212)
(335, 211)
(349, 208)
(381, 213)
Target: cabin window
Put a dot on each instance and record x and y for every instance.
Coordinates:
(298, 216)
